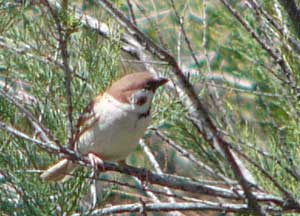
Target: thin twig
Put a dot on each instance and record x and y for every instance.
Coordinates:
(287, 194)
(294, 13)
(131, 12)
(63, 38)
(48, 146)
(148, 191)
(191, 158)
(41, 129)
(187, 41)
(152, 23)
(155, 164)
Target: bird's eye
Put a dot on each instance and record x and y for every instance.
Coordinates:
(141, 100)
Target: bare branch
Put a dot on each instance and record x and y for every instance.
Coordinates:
(156, 167)
(47, 146)
(293, 12)
(41, 130)
(184, 206)
(165, 207)
(131, 12)
(187, 41)
(63, 38)
(23, 49)
(148, 191)
(191, 158)
(286, 193)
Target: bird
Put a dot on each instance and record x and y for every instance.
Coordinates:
(111, 125)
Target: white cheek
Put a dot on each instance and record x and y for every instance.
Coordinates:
(146, 106)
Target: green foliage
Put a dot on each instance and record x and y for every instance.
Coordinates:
(261, 108)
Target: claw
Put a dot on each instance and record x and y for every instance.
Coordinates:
(95, 161)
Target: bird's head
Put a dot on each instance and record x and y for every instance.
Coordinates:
(137, 90)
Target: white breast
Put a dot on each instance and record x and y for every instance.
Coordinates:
(117, 132)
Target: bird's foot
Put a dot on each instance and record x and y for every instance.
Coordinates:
(95, 161)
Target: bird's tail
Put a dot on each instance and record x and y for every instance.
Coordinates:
(59, 171)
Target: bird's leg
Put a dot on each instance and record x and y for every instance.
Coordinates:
(95, 161)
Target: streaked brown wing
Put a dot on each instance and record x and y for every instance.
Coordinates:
(87, 119)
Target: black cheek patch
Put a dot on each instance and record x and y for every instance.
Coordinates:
(141, 101)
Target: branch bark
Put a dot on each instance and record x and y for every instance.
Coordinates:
(294, 14)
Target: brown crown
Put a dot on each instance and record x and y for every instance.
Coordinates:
(124, 87)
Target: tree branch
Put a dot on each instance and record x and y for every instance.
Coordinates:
(294, 14)
(183, 206)
(155, 165)
(63, 37)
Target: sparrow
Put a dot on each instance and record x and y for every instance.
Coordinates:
(112, 124)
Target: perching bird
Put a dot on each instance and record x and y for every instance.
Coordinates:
(112, 124)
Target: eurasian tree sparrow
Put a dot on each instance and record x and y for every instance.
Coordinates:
(112, 124)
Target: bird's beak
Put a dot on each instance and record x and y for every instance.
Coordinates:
(160, 81)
